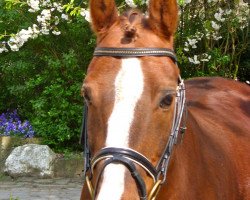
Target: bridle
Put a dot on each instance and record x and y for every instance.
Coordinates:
(129, 157)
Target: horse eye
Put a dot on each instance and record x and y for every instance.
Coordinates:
(86, 95)
(87, 98)
(166, 101)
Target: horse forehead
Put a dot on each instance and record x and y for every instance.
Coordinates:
(103, 70)
(115, 37)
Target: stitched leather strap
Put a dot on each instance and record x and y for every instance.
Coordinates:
(128, 153)
(118, 158)
(134, 52)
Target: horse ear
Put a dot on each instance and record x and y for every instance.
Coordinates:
(103, 14)
(163, 17)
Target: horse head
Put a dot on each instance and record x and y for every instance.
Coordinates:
(131, 99)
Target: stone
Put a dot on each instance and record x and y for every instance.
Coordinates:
(31, 160)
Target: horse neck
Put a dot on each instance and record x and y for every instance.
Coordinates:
(196, 160)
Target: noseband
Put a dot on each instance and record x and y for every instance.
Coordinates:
(129, 157)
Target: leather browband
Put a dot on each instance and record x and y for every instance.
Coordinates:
(134, 52)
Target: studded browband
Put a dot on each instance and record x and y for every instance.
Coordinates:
(134, 52)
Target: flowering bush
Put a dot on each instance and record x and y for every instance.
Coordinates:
(11, 124)
(48, 17)
(212, 34)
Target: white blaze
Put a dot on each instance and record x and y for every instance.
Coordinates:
(128, 90)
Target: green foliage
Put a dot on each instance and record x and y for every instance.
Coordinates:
(244, 69)
(43, 82)
(58, 105)
(13, 198)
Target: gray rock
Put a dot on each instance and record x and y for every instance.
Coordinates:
(30, 160)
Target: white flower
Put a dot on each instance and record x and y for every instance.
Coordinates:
(85, 14)
(57, 20)
(205, 57)
(25, 34)
(34, 4)
(218, 17)
(55, 4)
(199, 35)
(46, 13)
(35, 28)
(56, 32)
(215, 26)
(59, 8)
(215, 37)
(14, 47)
(46, 3)
(16, 40)
(204, 60)
(191, 60)
(187, 1)
(194, 60)
(40, 18)
(45, 30)
(130, 3)
(221, 11)
(15, 43)
(3, 48)
(31, 10)
(65, 17)
(186, 49)
(210, 1)
(228, 11)
(192, 43)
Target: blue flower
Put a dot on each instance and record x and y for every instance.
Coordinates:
(11, 124)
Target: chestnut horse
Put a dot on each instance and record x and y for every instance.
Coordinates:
(136, 106)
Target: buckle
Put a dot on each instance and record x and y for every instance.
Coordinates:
(90, 187)
(155, 190)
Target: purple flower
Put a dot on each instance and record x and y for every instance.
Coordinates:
(11, 124)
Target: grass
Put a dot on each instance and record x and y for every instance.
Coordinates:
(13, 198)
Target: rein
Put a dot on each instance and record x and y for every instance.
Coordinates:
(129, 157)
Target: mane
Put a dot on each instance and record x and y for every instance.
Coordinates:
(130, 21)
